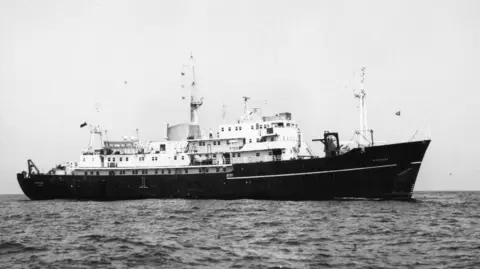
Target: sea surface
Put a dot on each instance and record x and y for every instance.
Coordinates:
(437, 230)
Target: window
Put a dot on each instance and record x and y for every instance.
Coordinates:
(258, 154)
(175, 157)
(250, 140)
(236, 128)
(120, 158)
(240, 128)
(83, 159)
(183, 157)
(206, 170)
(252, 127)
(91, 173)
(260, 126)
(153, 158)
(86, 173)
(283, 151)
(169, 171)
(186, 171)
(108, 159)
(229, 129)
(163, 171)
(156, 171)
(126, 159)
(113, 159)
(288, 124)
(98, 173)
(218, 169)
(238, 154)
(200, 170)
(222, 129)
(224, 169)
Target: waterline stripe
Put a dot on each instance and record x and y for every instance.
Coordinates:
(415, 162)
(314, 173)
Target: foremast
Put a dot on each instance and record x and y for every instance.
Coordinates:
(361, 94)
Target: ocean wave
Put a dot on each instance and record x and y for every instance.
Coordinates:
(435, 229)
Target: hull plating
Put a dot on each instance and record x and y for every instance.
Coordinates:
(385, 172)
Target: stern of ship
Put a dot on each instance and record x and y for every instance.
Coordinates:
(38, 186)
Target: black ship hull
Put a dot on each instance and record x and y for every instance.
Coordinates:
(377, 172)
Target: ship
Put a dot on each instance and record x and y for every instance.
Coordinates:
(255, 157)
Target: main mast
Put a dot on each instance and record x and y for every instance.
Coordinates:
(195, 100)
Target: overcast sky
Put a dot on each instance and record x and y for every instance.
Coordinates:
(62, 61)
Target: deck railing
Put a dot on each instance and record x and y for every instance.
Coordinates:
(256, 159)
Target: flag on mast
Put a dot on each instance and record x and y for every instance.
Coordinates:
(83, 124)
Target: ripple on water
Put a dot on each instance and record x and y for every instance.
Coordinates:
(435, 230)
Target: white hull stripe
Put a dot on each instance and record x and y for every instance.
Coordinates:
(416, 163)
(315, 173)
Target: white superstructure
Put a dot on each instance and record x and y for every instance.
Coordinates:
(251, 139)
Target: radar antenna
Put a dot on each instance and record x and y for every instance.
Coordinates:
(245, 108)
